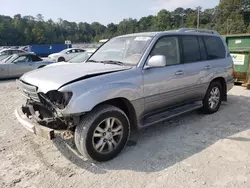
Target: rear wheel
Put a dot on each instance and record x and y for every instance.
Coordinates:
(102, 133)
(213, 98)
(60, 59)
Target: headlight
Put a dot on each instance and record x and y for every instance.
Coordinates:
(60, 99)
(52, 56)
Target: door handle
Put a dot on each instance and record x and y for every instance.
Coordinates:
(207, 67)
(180, 72)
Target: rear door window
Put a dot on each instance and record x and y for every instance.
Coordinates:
(190, 49)
(22, 59)
(215, 47)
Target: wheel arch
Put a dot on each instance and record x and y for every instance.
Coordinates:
(127, 107)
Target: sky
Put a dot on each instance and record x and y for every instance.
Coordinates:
(102, 11)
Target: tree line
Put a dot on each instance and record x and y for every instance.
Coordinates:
(229, 17)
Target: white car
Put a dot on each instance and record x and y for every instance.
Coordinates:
(80, 58)
(4, 53)
(65, 55)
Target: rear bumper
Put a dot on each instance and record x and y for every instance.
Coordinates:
(34, 127)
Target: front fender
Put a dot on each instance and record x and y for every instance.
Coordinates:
(88, 100)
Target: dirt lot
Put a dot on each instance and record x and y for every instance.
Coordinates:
(193, 151)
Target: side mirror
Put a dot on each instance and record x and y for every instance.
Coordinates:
(157, 61)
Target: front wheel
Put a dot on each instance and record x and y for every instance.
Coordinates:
(61, 59)
(213, 98)
(102, 133)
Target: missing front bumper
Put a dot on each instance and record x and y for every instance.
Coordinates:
(34, 127)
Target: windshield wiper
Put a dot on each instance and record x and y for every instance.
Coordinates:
(107, 62)
(112, 62)
(94, 61)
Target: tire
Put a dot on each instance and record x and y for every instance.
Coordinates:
(60, 59)
(209, 99)
(97, 118)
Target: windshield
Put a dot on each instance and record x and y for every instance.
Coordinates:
(80, 58)
(127, 49)
(64, 51)
(3, 57)
(10, 58)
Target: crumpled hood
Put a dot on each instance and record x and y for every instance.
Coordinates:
(53, 77)
(58, 64)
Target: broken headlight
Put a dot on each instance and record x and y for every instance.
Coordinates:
(60, 99)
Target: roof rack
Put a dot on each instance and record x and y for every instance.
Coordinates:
(198, 30)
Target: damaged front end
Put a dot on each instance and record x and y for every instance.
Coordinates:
(44, 110)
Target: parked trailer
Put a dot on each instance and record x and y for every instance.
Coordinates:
(47, 49)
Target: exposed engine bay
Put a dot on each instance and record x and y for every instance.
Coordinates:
(45, 108)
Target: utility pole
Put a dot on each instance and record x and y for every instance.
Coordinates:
(198, 17)
(228, 25)
(182, 19)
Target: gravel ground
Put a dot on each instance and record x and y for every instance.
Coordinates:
(194, 150)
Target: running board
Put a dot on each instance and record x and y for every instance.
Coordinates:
(166, 115)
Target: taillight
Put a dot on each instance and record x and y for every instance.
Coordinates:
(233, 69)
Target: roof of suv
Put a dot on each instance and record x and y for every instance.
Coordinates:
(24, 53)
(148, 34)
(182, 30)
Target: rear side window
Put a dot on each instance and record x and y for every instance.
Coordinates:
(215, 47)
(18, 51)
(80, 50)
(190, 49)
(35, 58)
(4, 53)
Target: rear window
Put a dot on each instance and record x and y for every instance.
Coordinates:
(215, 47)
(191, 49)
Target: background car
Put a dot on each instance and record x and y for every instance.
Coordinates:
(80, 58)
(18, 64)
(24, 48)
(66, 54)
(7, 52)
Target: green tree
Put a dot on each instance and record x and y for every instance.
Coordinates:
(146, 23)
(163, 21)
(231, 16)
(127, 26)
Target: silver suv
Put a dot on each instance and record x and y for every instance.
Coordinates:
(130, 82)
